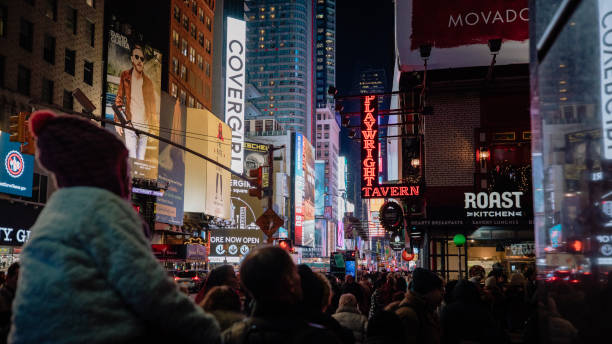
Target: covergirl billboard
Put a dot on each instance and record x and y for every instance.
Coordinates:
(459, 31)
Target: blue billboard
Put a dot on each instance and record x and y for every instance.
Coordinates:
(17, 172)
(320, 188)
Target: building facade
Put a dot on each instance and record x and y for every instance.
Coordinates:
(328, 150)
(191, 52)
(279, 55)
(325, 51)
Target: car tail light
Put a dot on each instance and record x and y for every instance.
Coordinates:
(195, 278)
(176, 278)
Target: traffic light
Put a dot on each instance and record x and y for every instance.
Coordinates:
(285, 244)
(256, 181)
(29, 146)
(17, 127)
(575, 246)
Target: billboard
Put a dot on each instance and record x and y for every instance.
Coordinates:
(231, 245)
(207, 186)
(17, 172)
(304, 191)
(245, 209)
(235, 88)
(171, 168)
(320, 188)
(133, 88)
(459, 31)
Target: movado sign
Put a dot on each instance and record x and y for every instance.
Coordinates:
(234, 88)
(493, 204)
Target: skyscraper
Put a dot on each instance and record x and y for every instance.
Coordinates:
(325, 51)
(279, 60)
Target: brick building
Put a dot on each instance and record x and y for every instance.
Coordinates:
(48, 49)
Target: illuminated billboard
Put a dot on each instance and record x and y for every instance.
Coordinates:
(304, 191)
(234, 88)
(133, 88)
(459, 31)
(320, 188)
(207, 185)
(370, 149)
(245, 209)
(17, 172)
(232, 245)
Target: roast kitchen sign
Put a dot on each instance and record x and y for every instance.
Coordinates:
(370, 188)
(493, 204)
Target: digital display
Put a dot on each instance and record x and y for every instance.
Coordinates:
(350, 267)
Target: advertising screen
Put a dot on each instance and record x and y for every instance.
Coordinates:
(308, 205)
(459, 31)
(246, 209)
(133, 88)
(234, 83)
(169, 207)
(232, 245)
(298, 181)
(17, 172)
(320, 188)
(350, 267)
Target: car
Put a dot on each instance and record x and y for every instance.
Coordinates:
(189, 279)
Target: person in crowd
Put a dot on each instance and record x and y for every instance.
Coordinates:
(494, 298)
(316, 299)
(466, 309)
(382, 295)
(269, 275)
(222, 275)
(417, 311)
(517, 308)
(352, 287)
(7, 295)
(224, 303)
(336, 292)
(87, 273)
(385, 328)
(2, 278)
(477, 274)
(349, 316)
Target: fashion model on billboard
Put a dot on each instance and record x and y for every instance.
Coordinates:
(135, 103)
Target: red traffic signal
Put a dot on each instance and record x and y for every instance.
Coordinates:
(256, 181)
(576, 246)
(285, 244)
(18, 128)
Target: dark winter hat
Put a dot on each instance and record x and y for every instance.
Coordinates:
(79, 153)
(424, 281)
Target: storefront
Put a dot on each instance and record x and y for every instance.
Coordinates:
(181, 257)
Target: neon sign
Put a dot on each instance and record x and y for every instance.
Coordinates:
(370, 150)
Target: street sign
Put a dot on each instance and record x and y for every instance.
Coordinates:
(269, 222)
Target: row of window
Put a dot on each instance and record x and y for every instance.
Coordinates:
(198, 12)
(190, 101)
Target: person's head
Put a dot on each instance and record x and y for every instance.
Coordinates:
(385, 327)
(12, 275)
(349, 279)
(477, 272)
(347, 303)
(270, 276)
(137, 57)
(221, 298)
(222, 275)
(315, 288)
(79, 153)
(429, 285)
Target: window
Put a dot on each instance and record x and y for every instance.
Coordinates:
(201, 38)
(177, 13)
(69, 61)
(199, 105)
(200, 62)
(183, 97)
(88, 72)
(194, 8)
(175, 66)
(51, 9)
(26, 35)
(91, 3)
(318, 126)
(191, 102)
(326, 127)
(201, 14)
(175, 38)
(192, 54)
(207, 68)
(184, 73)
(3, 20)
(71, 19)
(184, 47)
(68, 101)
(326, 135)
(174, 90)
(23, 80)
(91, 33)
(186, 22)
(194, 31)
(49, 49)
(47, 91)
(208, 23)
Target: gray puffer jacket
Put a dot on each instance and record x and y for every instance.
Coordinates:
(352, 320)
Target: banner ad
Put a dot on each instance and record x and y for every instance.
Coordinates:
(320, 195)
(244, 209)
(169, 207)
(304, 191)
(232, 245)
(17, 172)
(459, 32)
(133, 88)
(235, 85)
(207, 186)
